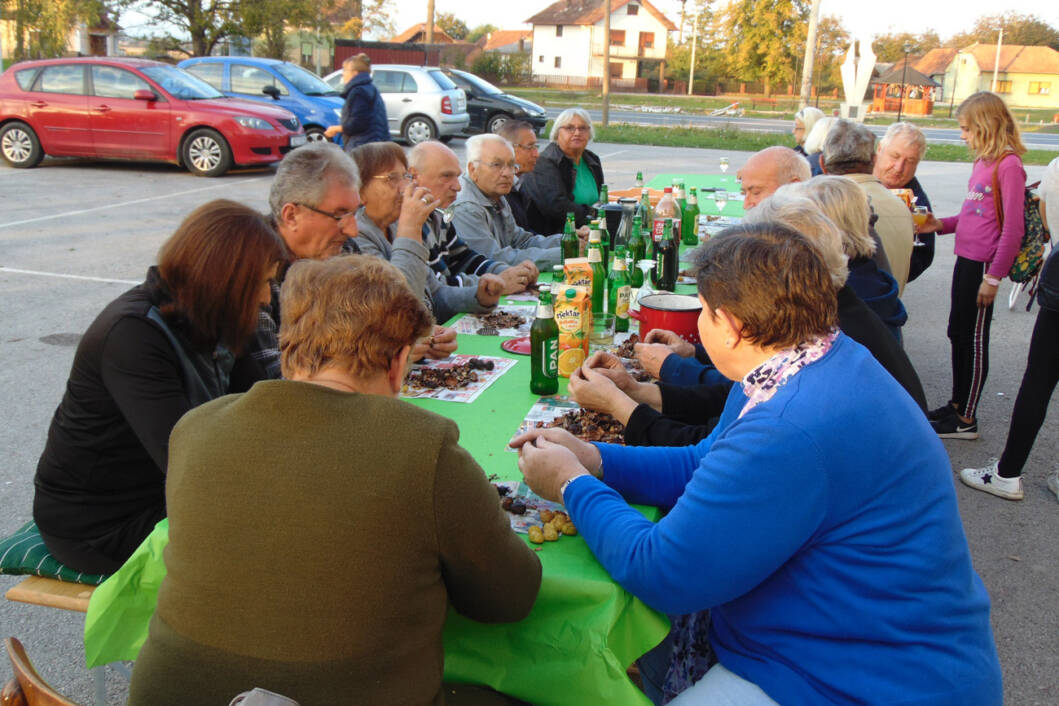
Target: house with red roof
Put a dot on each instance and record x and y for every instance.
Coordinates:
(1026, 76)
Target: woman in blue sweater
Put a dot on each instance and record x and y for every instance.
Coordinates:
(817, 523)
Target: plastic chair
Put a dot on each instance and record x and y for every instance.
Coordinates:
(27, 688)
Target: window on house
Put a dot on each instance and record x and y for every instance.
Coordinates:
(558, 30)
(1040, 88)
(615, 69)
(632, 9)
(540, 59)
(617, 37)
(558, 62)
(1003, 86)
(647, 40)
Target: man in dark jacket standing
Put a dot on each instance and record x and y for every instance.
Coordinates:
(364, 114)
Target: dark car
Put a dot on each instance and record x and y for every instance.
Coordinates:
(489, 107)
(126, 108)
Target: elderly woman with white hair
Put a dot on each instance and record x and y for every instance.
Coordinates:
(814, 143)
(567, 176)
(804, 120)
(1003, 477)
(898, 155)
(847, 206)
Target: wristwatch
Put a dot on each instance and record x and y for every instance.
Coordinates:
(568, 481)
(990, 280)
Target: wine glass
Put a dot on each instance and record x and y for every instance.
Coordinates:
(720, 197)
(724, 165)
(646, 266)
(448, 213)
(920, 214)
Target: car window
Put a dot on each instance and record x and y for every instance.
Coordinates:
(308, 83)
(25, 78)
(250, 79)
(477, 82)
(211, 73)
(180, 83)
(388, 81)
(112, 82)
(442, 80)
(63, 78)
(408, 84)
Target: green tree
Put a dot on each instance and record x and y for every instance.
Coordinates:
(352, 19)
(42, 27)
(766, 39)
(480, 31)
(269, 20)
(890, 47)
(206, 22)
(1028, 30)
(454, 27)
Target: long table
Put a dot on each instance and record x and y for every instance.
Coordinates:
(573, 648)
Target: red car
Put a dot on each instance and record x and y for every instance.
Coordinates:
(135, 109)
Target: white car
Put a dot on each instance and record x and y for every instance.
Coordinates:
(422, 103)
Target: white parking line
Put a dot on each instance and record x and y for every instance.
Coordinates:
(57, 274)
(612, 154)
(128, 203)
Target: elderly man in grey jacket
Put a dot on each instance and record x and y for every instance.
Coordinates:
(483, 217)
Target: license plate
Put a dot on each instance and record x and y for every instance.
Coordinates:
(298, 140)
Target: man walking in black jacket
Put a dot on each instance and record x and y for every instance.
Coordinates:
(364, 114)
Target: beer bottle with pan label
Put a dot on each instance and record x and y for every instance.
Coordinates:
(544, 347)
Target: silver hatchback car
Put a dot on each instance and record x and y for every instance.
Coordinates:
(421, 102)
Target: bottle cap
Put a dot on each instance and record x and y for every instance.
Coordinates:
(571, 293)
(668, 189)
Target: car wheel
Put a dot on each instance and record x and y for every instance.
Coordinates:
(419, 129)
(19, 146)
(496, 122)
(315, 134)
(206, 153)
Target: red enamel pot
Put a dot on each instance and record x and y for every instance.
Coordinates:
(678, 313)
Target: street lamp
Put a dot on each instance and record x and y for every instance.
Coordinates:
(907, 48)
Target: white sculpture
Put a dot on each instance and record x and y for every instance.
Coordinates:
(856, 75)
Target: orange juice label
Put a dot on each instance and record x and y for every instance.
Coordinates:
(578, 273)
(573, 316)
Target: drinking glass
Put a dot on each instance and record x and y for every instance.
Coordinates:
(920, 214)
(720, 197)
(447, 214)
(724, 165)
(601, 337)
(646, 266)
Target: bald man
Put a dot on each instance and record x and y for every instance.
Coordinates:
(767, 171)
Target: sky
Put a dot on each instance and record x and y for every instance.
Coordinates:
(858, 16)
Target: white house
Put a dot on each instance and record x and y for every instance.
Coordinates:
(568, 41)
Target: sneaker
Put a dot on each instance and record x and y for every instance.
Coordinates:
(987, 480)
(1053, 484)
(942, 412)
(952, 427)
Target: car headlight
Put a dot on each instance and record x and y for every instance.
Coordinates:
(253, 123)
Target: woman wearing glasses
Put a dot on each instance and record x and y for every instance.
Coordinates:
(567, 176)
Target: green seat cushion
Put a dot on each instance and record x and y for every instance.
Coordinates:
(24, 553)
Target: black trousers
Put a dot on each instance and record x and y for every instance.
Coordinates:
(968, 335)
(106, 554)
(1038, 383)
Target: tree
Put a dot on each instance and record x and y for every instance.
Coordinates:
(452, 26)
(480, 31)
(42, 27)
(1028, 30)
(270, 19)
(765, 39)
(355, 18)
(890, 47)
(206, 22)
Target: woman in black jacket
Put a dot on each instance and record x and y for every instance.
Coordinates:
(567, 176)
(156, 351)
(1003, 478)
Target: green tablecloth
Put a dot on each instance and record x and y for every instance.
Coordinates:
(706, 181)
(573, 648)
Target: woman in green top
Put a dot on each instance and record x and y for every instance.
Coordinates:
(567, 175)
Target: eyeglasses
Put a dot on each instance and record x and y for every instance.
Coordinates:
(500, 166)
(576, 128)
(394, 179)
(337, 217)
(531, 146)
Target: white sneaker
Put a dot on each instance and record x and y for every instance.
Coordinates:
(1053, 484)
(987, 480)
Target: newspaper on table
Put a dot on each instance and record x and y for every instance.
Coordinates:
(468, 393)
(534, 503)
(475, 324)
(710, 225)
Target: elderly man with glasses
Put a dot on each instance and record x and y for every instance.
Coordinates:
(484, 219)
(524, 141)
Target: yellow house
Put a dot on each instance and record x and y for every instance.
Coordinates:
(1026, 77)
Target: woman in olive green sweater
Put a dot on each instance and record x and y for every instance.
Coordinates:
(320, 527)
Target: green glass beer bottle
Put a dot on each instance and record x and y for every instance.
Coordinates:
(619, 291)
(689, 219)
(558, 274)
(637, 250)
(639, 180)
(599, 273)
(544, 347)
(569, 243)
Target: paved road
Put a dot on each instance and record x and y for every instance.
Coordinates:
(74, 234)
(935, 136)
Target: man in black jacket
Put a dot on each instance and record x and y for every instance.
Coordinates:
(364, 114)
(524, 141)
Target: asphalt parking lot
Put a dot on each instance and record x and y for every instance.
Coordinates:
(74, 234)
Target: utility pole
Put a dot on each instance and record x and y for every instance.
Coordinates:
(694, 43)
(996, 61)
(904, 74)
(810, 55)
(680, 39)
(430, 22)
(606, 63)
